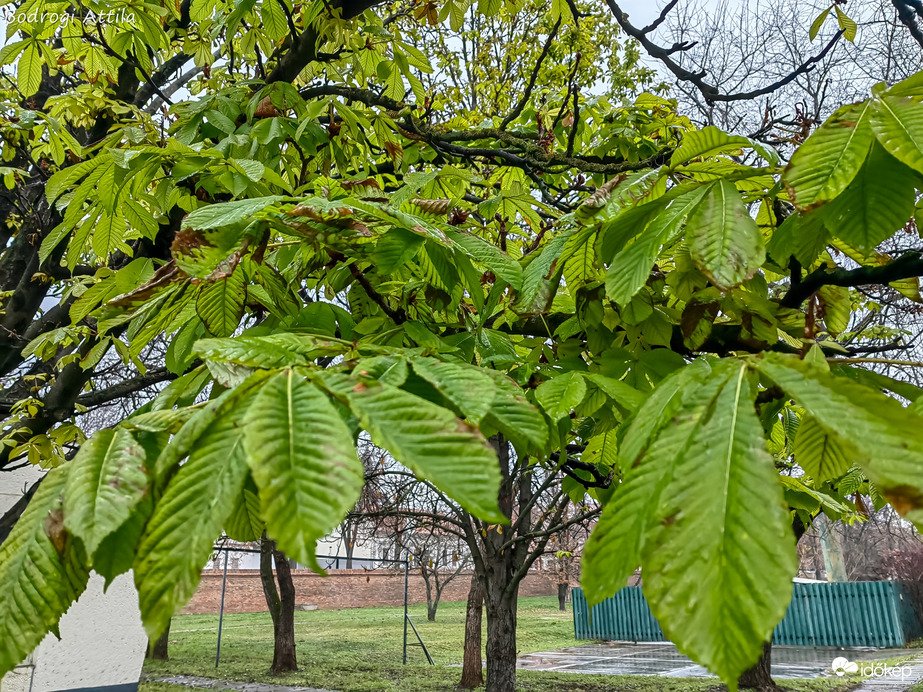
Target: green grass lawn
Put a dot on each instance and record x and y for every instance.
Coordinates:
(359, 650)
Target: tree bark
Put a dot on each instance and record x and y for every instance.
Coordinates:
(472, 665)
(562, 595)
(281, 604)
(501, 638)
(157, 650)
(759, 677)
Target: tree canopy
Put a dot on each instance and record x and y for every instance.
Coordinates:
(440, 225)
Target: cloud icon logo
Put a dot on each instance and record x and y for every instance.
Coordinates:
(841, 666)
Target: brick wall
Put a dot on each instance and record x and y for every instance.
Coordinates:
(345, 588)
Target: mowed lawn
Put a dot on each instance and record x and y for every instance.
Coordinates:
(360, 649)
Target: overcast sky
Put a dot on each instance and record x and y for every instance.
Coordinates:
(642, 12)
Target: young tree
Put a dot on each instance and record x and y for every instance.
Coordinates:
(560, 285)
(275, 567)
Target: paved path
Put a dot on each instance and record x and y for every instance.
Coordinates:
(910, 673)
(662, 659)
(212, 684)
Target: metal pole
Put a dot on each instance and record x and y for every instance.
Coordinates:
(406, 579)
(224, 586)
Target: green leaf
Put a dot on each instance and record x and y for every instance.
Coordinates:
(220, 304)
(883, 432)
(106, 481)
(432, 443)
(468, 387)
(898, 125)
(613, 551)
(42, 571)
(620, 392)
(304, 462)
(394, 249)
(848, 26)
(878, 202)
(29, 70)
(227, 213)
(602, 450)
(822, 456)
(836, 307)
(802, 236)
(818, 23)
(540, 279)
(722, 538)
(190, 515)
(245, 523)
(561, 394)
(512, 414)
(709, 141)
(822, 167)
(632, 266)
(492, 257)
(270, 351)
(723, 239)
(116, 552)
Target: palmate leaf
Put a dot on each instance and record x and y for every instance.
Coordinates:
(220, 304)
(882, 431)
(541, 278)
(191, 512)
(304, 462)
(827, 162)
(710, 141)
(613, 551)
(822, 456)
(468, 387)
(106, 481)
(631, 267)
(898, 125)
(432, 443)
(43, 570)
(561, 394)
(878, 202)
(723, 239)
(501, 264)
(720, 557)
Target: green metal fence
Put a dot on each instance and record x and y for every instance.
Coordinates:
(876, 613)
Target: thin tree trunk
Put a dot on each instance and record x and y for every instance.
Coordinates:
(759, 677)
(283, 659)
(281, 604)
(157, 650)
(473, 666)
(562, 595)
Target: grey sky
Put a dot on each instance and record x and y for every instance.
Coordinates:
(642, 12)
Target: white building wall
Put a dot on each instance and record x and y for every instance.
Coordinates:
(102, 640)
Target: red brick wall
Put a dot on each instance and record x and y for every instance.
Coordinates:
(345, 588)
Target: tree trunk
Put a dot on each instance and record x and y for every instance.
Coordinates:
(157, 650)
(759, 677)
(562, 595)
(472, 666)
(501, 638)
(281, 604)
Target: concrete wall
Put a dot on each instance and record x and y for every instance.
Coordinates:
(346, 588)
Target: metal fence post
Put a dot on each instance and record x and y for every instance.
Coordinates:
(406, 579)
(224, 586)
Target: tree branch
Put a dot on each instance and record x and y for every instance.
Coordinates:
(908, 265)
